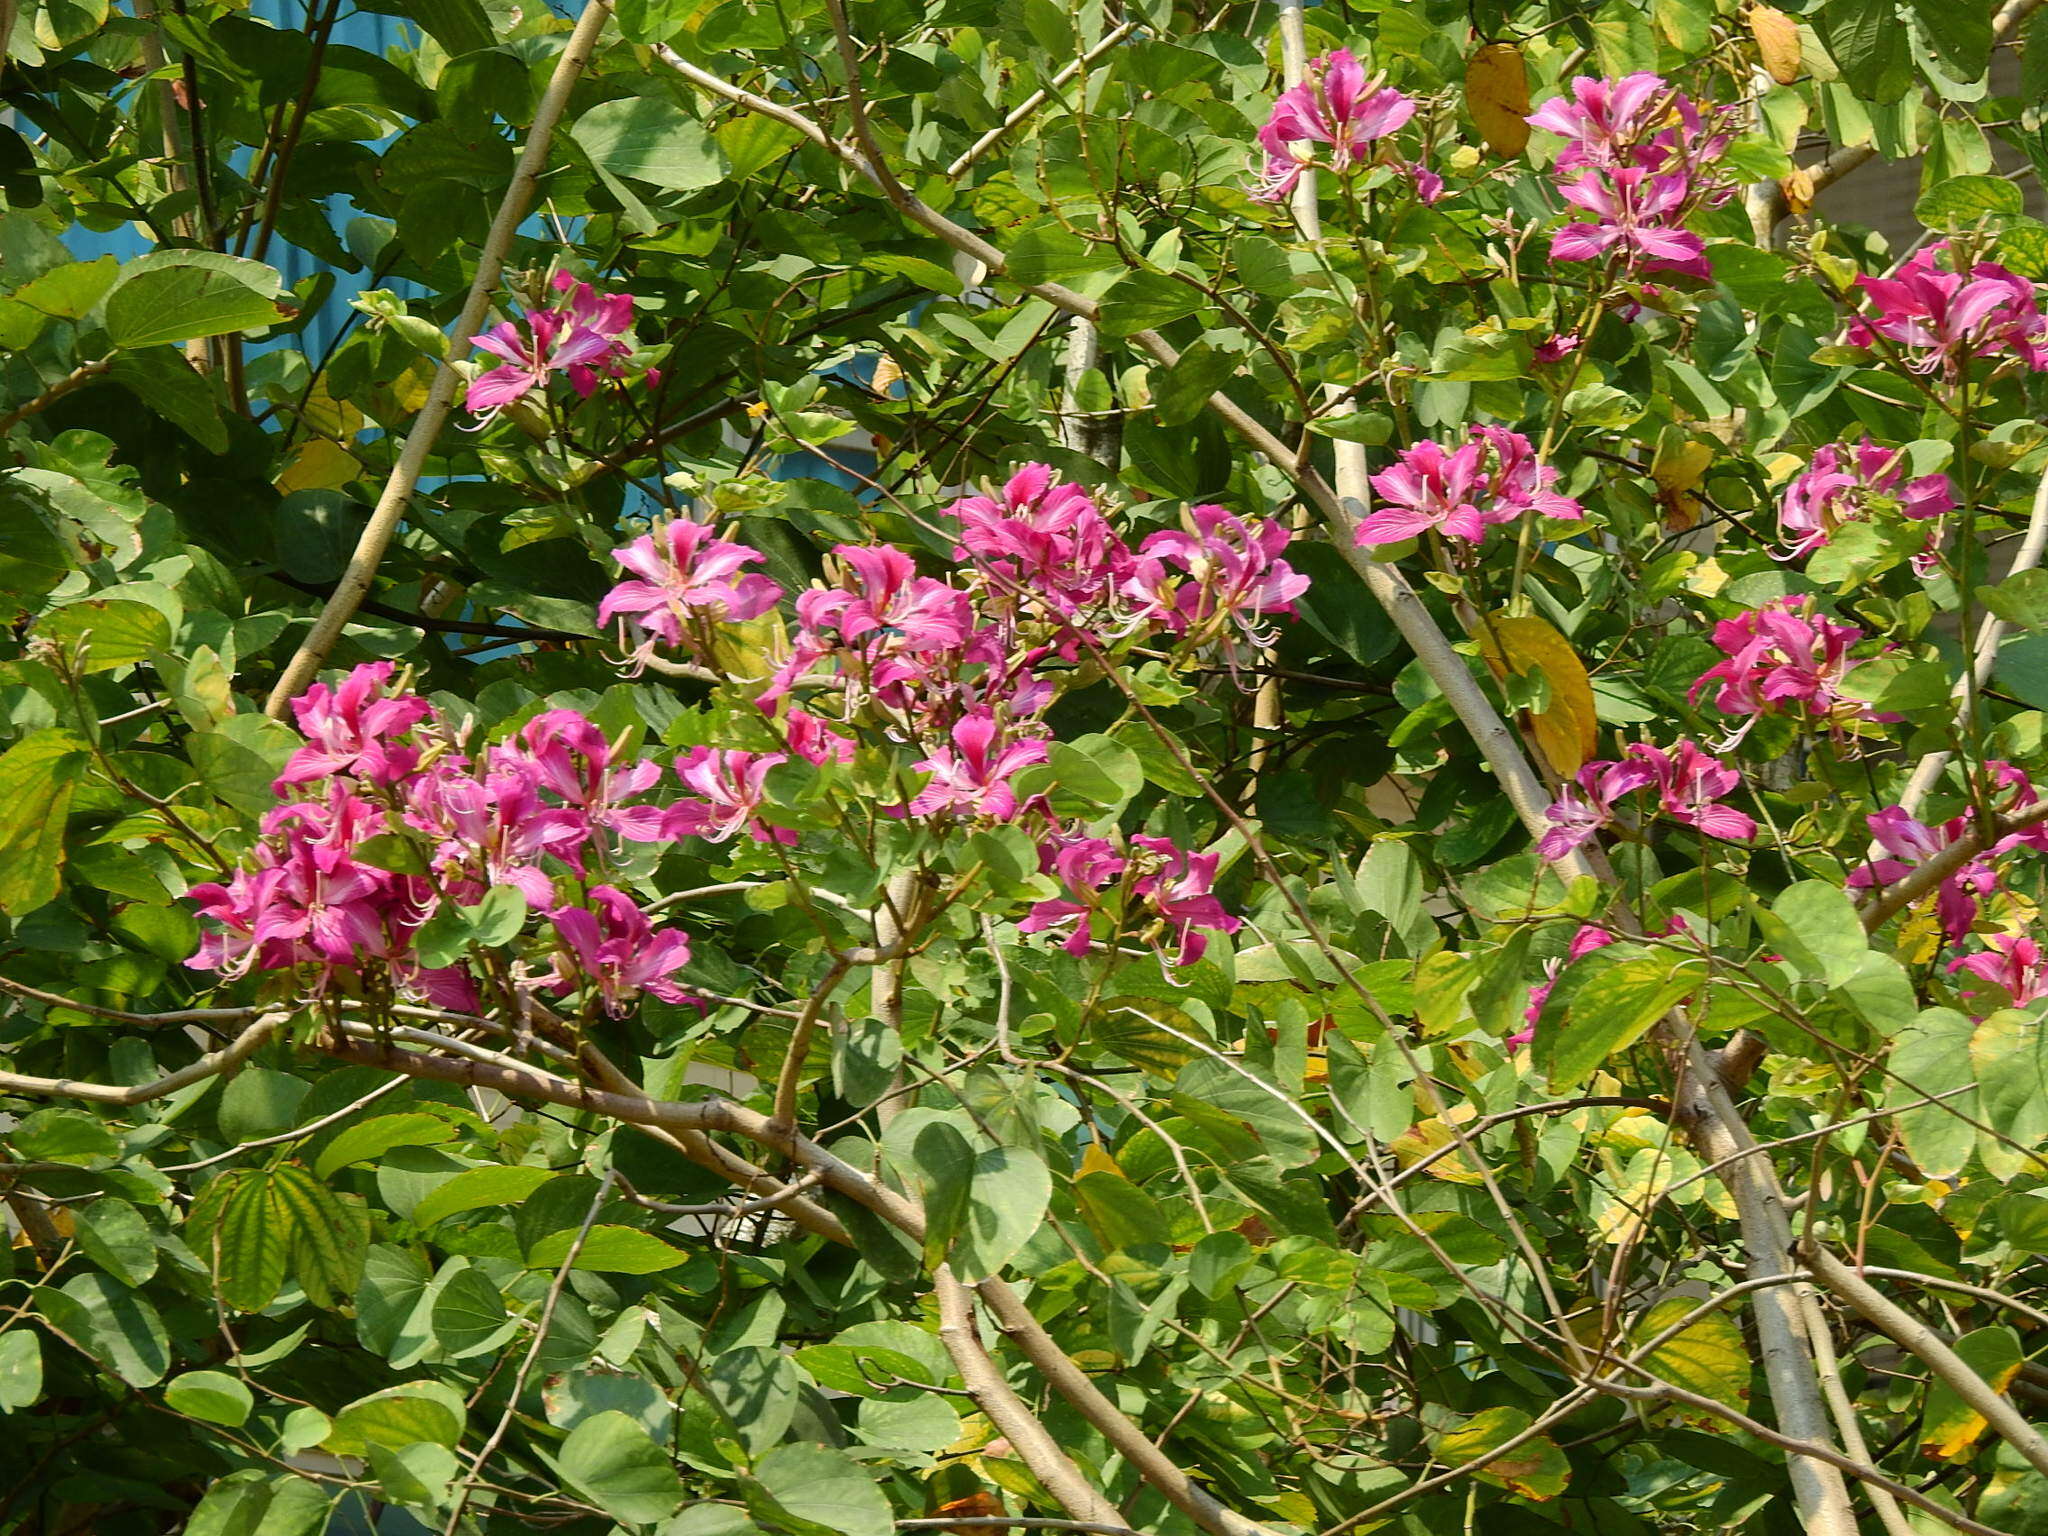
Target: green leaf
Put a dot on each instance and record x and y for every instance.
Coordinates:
(419, 1411)
(1959, 35)
(371, 1139)
(942, 1165)
(1144, 301)
(1011, 1189)
(1373, 428)
(32, 558)
(469, 1316)
(252, 1246)
(260, 1101)
(213, 1396)
(1815, 927)
(114, 632)
(37, 777)
(645, 138)
(239, 759)
(1615, 1007)
(1118, 1212)
(65, 1136)
(610, 1460)
(1930, 1057)
(181, 295)
(498, 917)
(2021, 599)
(756, 1387)
(115, 1325)
(825, 1487)
(1963, 202)
(69, 292)
(475, 1188)
(113, 1235)
(1219, 1261)
(1869, 46)
(608, 1249)
(21, 1368)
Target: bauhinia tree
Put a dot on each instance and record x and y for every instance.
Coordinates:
(1122, 767)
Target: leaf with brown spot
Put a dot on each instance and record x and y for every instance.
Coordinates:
(1797, 185)
(1777, 42)
(1536, 1469)
(1497, 96)
(1568, 731)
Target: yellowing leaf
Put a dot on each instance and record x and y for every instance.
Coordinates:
(1426, 1137)
(318, 465)
(1950, 1427)
(1708, 1357)
(1098, 1159)
(1497, 96)
(1568, 731)
(1679, 464)
(1797, 185)
(1536, 1469)
(325, 416)
(1777, 42)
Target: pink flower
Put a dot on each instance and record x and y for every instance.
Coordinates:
(814, 741)
(2012, 963)
(1429, 187)
(1839, 488)
(609, 315)
(1555, 349)
(1493, 478)
(1084, 865)
(1043, 542)
(1176, 886)
(1227, 574)
(1603, 120)
(569, 757)
(1637, 218)
(1782, 656)
(687, 577)
(972, 776)
(1909, 843)
(1333, 108)
(734, 787)
(1940, 319)
(1689, 784)
(357, 729)
(616, 950)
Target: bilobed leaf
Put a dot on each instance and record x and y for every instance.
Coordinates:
(1497, 96)
(1949, 1427)
(468, 1315)
(825, 1487)
(1535, 1469)
(1568, 728)
(644, 138)
(610, 1460)
(1813, 924)
(371, 1139)
(214, 1396)
(1010, 1192)
(252, 1246)
(182, 295)
(37, 777)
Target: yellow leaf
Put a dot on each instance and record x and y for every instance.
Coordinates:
(1497, 96)
(1949, 1428)
(1425, 1137)
(1680, 463)
(1797, 185)
(326, 416)
(1536, 1469)
(318, 465)
(1709, 1357)
(1777, 42)
(1098, 1159)
(409, 389)
(1568, 731)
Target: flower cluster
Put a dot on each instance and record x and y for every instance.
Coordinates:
(1494, 477)
(1941, 319)
(1690, 784)
(1639, 156)
(1173, 889)
(1844, 485)
(385, 823)
(1783, 657)
(962, 670)
(1333, 118)
(588, 337)
(1908, 842)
